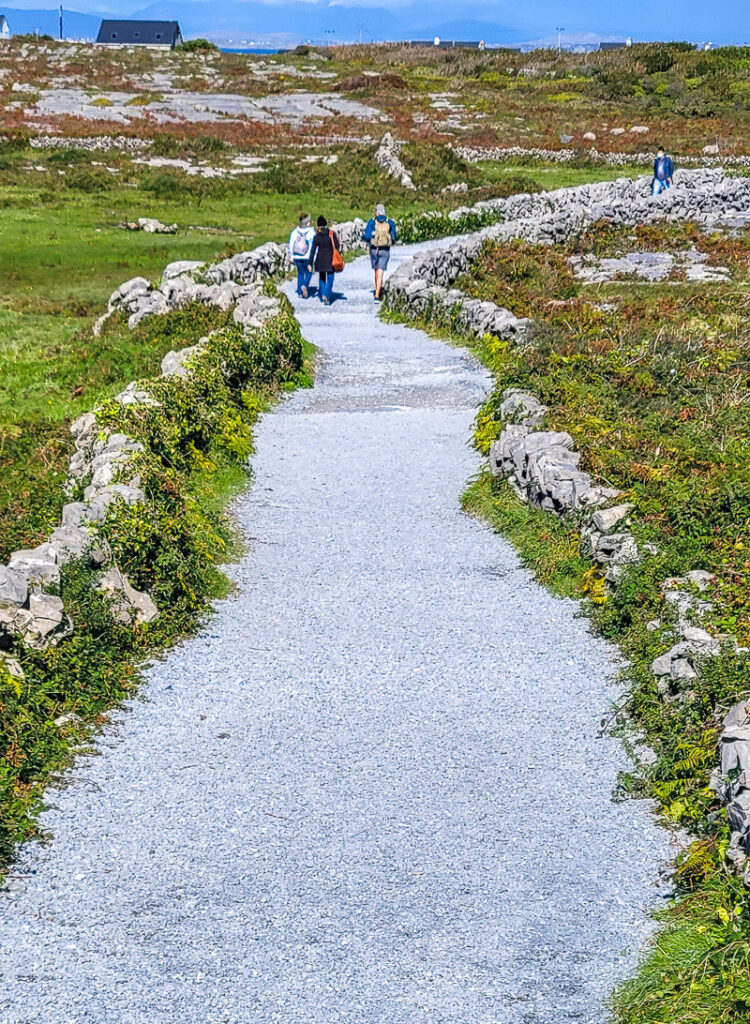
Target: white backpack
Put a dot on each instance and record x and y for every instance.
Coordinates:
(300, 244)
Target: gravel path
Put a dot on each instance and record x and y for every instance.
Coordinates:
(371, 789)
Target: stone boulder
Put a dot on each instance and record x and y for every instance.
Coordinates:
(129, 606)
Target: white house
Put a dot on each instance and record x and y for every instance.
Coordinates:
(4, 27)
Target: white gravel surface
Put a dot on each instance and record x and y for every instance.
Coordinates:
(371, 789)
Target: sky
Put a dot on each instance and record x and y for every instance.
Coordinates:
(642, 19)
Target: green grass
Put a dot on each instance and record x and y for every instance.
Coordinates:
(552, 176)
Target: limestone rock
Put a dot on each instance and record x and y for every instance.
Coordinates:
(70, 542)
(14, 589)
(12, 666)
(180, 267)
(606, 519)
(519, 406)
(128, 604)
(174, 363)
(38, 565)
(152, 226)
(46, 622)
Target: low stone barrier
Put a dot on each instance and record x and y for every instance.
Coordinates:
(93, 143)
(731, 783)
(709, 197)
(103, 472)
(562, 156)
(388, 156)
(232, 282)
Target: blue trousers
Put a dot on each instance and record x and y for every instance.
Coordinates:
(303, 275)
(659, 186)
(326, 285)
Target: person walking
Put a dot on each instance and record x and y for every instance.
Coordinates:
(325, 258)
(300, 245)
(663, 172)
(381, 234)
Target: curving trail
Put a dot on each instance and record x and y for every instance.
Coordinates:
(371, 789)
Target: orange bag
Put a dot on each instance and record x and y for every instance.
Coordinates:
(337, 262)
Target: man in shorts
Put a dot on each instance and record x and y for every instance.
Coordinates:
(381, 234)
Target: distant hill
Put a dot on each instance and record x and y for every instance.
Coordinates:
(76, 26)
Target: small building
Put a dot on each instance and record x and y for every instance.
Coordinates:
(4, 27)
(163, 35)
(612, 46)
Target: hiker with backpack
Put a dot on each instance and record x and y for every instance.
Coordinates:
(663, 172)
(300, 245)
(326, 259)
(381, 234)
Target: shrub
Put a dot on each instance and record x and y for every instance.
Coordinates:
(197, 46)
(95, 179)
(613, 84)
(659, 59)
(420, 227)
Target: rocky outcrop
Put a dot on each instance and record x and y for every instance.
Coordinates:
(150, 225)
(388, 156)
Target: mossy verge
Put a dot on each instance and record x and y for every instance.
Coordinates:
(697, 968)
(197, 442)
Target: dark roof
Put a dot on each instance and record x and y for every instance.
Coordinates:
(612, 46)
(145, 33)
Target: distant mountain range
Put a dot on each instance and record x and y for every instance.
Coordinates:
(284, 23)
(76, 26)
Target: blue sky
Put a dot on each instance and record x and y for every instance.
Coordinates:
(695, 20)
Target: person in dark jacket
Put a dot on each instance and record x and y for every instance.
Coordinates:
(381, 234)
(321, 258)
(663, 172)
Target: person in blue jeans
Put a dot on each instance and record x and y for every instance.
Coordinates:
(381, 234)
(663, 172)
(321, 258)
(300, 245)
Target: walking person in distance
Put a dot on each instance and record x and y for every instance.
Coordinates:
(325, 258)
(663, 172)
(300, 246)
(381, 234)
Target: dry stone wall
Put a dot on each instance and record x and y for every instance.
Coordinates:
(708, 197)
(102, 468)
(388, 156)
(235, 282)
(710, 158)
